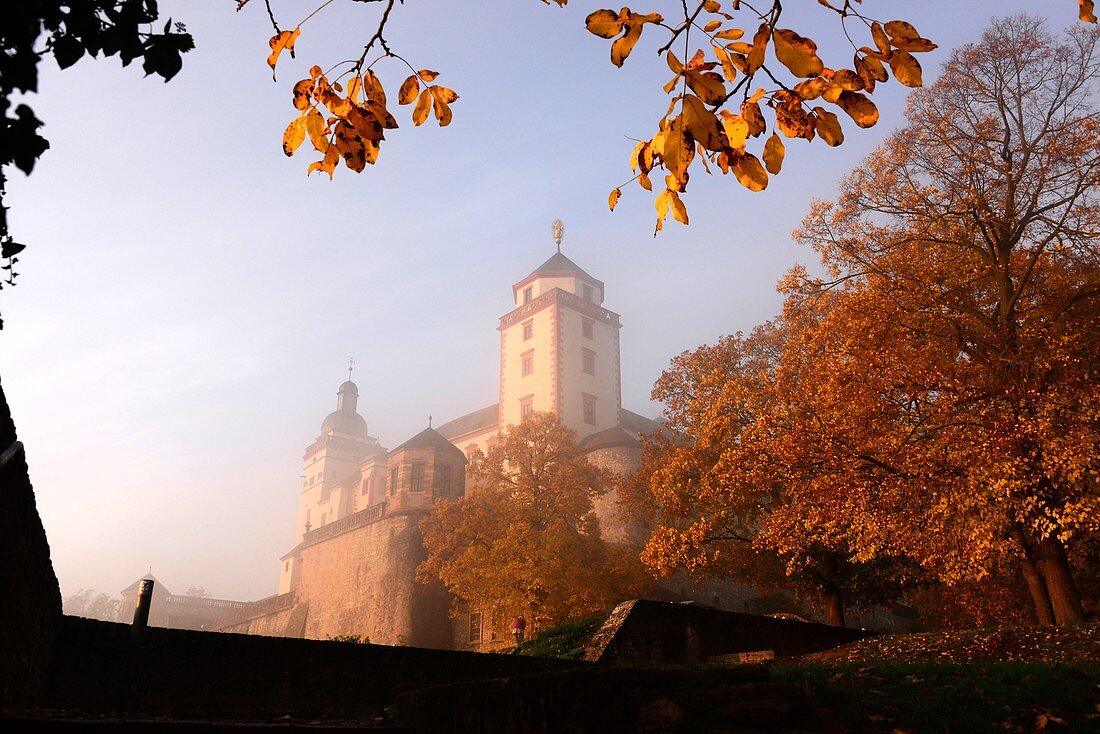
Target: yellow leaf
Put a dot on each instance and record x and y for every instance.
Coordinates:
(707, 85)
(409, 89)
(906, 68)
(712, 6)
(730, 34)
(644, 182)
(281, 40)
(443, 94)
(294, 134)
(351, 147)
(442, 112)
(423, 106)
(759, 47)
(811, 88)
(754, 117)
(604, 23)
(661, 203)
(315, 128)
(828, 127)
(679, 211)
(901, 29)
(712, 25)
(797, 53)
(673, 63)
(315, 71)
(702, 124)
(728, 69)
(327, 164)
(427, 75)
(622, 46)
(917, 45)
(736, 129)
(859, 108)
(1086, 11)
(773, 154)
(303, 90)
(848, 79)
(613, 198)
(374, 89)
(881, 41)
(750, 173)
(678, 151)
(757, 95)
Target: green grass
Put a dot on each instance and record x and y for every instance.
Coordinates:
(947, 697)
(565, 641)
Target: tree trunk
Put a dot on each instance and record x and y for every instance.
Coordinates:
(834, 602)
(1035, 586)
(1054, 566)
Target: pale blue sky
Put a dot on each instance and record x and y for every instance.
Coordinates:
(190, 299)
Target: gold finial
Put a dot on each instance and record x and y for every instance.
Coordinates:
(558, 230)
(351, 366)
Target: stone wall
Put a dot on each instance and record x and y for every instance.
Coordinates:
(640, 632)
(203, 675)
(621, 460)
(30, 600)
(363, 582)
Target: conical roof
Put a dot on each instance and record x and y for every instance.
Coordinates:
(430, 438)
(559, 263)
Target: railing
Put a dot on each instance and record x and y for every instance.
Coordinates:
(205, 601)
(344, 524)
(260, 608)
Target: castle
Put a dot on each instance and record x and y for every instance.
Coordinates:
(358, 543)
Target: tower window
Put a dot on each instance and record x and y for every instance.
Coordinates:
(526, 407)
(590, 409)
(586, 328)
(528, 293)
(366, 486)
(417, 483)
(527, 363)
(588, 361)
(587, 291)
(528, 330)
(393, 481)
(442, 480)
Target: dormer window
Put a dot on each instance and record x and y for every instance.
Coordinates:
(586, 291)
(528, 293)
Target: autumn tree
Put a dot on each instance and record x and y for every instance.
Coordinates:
(948, 369)
(525, 540)
(718, 494)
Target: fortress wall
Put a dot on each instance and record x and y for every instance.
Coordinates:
(362, 582)
(621, 460)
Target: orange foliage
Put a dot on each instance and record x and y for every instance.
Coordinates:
(524, 540)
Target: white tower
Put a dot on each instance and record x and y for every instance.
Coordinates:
(559, 349)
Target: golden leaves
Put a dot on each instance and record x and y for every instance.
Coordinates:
(278, 42)
(294, 134)
(358, 117)
(1086, 11)
(906, 68)
(749, 172)
(797, 53)
(828, 127)
(608, 24)
(859, 108)
(773, 154)
(613, 198)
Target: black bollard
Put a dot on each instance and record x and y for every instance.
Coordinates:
(141, 613)
(137, 643)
